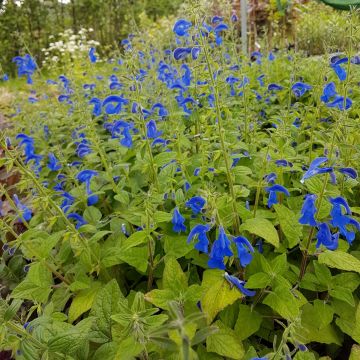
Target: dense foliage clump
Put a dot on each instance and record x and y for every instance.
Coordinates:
(186, 203)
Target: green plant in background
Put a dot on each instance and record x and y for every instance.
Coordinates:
(182, 201)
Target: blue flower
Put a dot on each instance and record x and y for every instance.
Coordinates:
(203, 242)
(329, 92)
(181, 53)
(274, 87)
(300, 88)
(196, 204)
(340, 220)
(283, 162)
(92, 56)
(195, 52)
(25, 212)
(86, 176)
(350, 172)
(97, 106)
(67, 202)
(273, 190)
(339, 71)
(25, 66)
(270, 178)
(308, 211)
(244, 249)
(182, 27)
(220, 249)
(324, 237)
(315, 170)
(151, 130)
(232, 80)
(113, 104)
(53, 163)
(340, 103)
(239, 284)
(80, 221)
(178, 221)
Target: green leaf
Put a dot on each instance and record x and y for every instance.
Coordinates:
(128, 349)
(343, 294)
(315, 325)
(176, 245)
(137, 238)
(217, 293)
(173, 277)
(92, 215)
(160, 298)
(289, 224)
(248, 322)
(262, 228)
(164, 158)
(322, 273)
(106, 304)
(283, 302)
(340, 260)
(225, 343)
(162, 216)
(36, 286)
(259, 280)
(83, 301)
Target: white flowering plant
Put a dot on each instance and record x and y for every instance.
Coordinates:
(67, 46)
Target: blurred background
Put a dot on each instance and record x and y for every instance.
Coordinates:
(50, 29)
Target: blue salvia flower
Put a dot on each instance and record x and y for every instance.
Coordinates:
(273, 190)
(239, 284)
(339, 71)
(260, 79)
(186, 78)
(92, 56)
(178, 221)
(325, 238)
(80, 221)
(218, 30)
(67, 201)
(340, 220)
(5, 77)
(25, 212)
(53, 163)
(274, 87)
(113, 104)
(160, 108)
(195, 52)
(270, 178)
(181, 53)
(300, 88)
(86, 176)
(283, 162)
(25, 66)
(151, 130)
(220, 249)
(308, 211)
(203, 242)
(232, 80)
(314, 168)
(271, 56)
(244, 249)
(350, 172)
(97, 106)
(127, 139)
(329, 92)
(182, 27)
(340, 104)
(196, 204)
